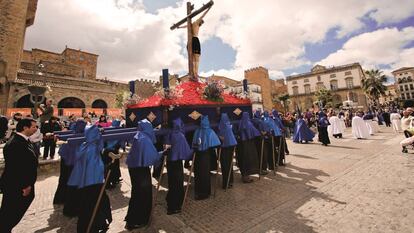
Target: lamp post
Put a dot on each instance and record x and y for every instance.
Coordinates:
(37, 92)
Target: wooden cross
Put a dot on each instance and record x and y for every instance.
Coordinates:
(187, 20)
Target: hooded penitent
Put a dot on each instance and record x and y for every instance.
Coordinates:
(270, 125)
(277, 119)
(302, 132)
(204, 137)
(143, 152)
(88, 169)
(180, 150)
(246, 129)
(226, 131)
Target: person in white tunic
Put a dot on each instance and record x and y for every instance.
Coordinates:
(359, 127)
(368, 118)
(406, 123)
(395, 118)
(335, 128)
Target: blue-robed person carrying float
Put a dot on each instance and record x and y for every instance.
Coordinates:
(179, 150)
(280, 140)
(205, 141)
(247, 156)
(270, 131)
(142, 155)
(226, 135)
(88, 177)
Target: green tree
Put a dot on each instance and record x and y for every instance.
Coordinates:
(373, 85)
(120, 98)
(284, 99)
(324, 96)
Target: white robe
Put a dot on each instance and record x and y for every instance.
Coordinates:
(335, 127)
(370, 126)
(359, 128)
(342, 120)
(396, 121)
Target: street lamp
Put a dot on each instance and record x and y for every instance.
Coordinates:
(37, 92)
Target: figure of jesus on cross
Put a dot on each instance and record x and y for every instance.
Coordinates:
(193, 43)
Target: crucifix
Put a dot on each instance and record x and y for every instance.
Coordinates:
(193, 43)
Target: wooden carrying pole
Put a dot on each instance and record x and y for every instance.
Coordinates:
(188, 181)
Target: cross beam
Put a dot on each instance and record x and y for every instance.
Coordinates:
(187, 19)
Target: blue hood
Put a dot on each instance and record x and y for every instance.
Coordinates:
(226, 131)
(204, 137)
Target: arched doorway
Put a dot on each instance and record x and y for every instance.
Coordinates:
(71, 102)
(24, 102)
(99, 104)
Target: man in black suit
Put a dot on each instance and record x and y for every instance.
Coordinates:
(19, 176)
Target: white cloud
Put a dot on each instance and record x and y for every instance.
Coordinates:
(133, 43)
(373, 49)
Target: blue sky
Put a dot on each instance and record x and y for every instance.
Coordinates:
(133, 39)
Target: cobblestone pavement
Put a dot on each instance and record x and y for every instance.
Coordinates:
(349, 186)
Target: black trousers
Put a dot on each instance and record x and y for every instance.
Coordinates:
(323, 135)
(247, 158)
(226, 158)
(50, 145)
(202, 181)
(280, 144)
(140, 204)
(13, 208)
(89, 197)
(175, 195)
(60, 193)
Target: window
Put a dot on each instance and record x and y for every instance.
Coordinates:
(403, 96)
(81, 58)
(334, 85)
(319, 78)
(406, 87)
(349, 83)
(307, 89)
(332, 76)
(348, 73)
(320, 85)
(399, 80)
(407, 96)
(294, 82)
(411, 86)
(295, 90)
(401, 88)
(306, 80)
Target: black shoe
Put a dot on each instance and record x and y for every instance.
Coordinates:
(404, 150)
(131, 227)
(170, 212)
(286, 152)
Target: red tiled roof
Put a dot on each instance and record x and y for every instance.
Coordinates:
(192, 95)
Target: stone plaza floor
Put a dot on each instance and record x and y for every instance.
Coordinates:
(349, 186)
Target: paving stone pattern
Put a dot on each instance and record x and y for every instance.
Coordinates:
(349, 186)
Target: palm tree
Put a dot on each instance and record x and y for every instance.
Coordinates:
(373, 85)
(284, 99)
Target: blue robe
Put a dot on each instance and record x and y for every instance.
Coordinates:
(302, 132)
(89, 168)
(180, 150)
(270, 125)
(226, 131)
(205, 137)
(143, 152)
(246, 129)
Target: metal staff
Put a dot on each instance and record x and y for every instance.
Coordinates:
(280, 149)
(95, 210)
(273, 155)
(217, 171)
(261, 158)
(231, 168)
(188, 182)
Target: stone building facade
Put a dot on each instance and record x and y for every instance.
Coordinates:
(15, 17)
(270, 89)
(72, 84)
(344, 82)
(404, 82)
